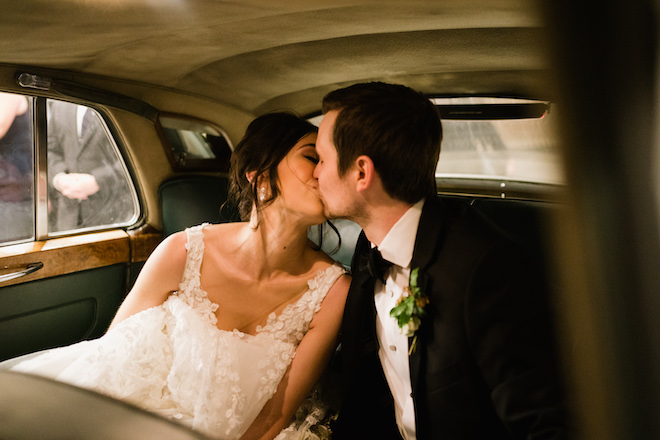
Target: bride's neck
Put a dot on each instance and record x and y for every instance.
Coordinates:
(274, 246)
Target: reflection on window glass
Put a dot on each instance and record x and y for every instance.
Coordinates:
(521, 150)
(16, 169)
(88, 185)
(508, 149)
(195, 144)
(189, 143)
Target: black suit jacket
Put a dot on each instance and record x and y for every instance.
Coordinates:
(94, 154)
(485, 366)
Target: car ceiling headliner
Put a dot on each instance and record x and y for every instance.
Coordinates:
(260, 55)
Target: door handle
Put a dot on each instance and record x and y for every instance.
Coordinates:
(20, 272)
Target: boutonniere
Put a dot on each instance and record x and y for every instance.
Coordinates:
(409, 309)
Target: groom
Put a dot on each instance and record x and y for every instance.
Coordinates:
(482, 364)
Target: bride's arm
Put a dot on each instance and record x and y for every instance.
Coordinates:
(312, 356)
(160, 275)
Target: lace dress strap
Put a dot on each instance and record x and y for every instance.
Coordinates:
(195, 249)
(190, 290)
(292, 324)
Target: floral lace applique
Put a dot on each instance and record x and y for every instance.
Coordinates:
(292, 324)
(172, 360)
(190, 290)
(279, 338)
(288, 329)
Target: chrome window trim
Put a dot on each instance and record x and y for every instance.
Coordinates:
(40, 168)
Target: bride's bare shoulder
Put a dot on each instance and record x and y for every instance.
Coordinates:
(172, 249)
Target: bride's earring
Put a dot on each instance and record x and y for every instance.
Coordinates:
(254, 214)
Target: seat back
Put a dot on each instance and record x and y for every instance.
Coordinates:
(189, 200)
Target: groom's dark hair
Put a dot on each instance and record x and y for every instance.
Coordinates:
(397, 127)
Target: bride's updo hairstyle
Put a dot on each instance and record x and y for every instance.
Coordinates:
(267, 141)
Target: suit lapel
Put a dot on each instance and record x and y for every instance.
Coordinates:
(361, 323)
(428, 233)
(92, 136)
(69, 130)
(431, 223)
(361, 302)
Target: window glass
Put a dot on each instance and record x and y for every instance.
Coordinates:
(195, 144)
(88, 184)
(504, 149)
(16, 169)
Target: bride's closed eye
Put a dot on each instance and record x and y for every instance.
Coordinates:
(312, 159)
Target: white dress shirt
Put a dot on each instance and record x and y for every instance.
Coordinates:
(80, 115)
(397, 247)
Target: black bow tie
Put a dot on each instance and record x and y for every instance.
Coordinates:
(373, 261)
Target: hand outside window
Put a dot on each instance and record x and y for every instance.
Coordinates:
(76, 185)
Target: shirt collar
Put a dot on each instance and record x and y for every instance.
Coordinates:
(399, 243)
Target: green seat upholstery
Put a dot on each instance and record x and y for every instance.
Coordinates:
(192, 199)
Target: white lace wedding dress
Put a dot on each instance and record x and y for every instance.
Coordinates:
(174, 361)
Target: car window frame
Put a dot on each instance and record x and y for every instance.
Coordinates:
(38, 108)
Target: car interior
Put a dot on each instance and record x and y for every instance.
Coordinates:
(550, 120)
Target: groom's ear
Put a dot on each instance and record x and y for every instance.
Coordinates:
(364, 172)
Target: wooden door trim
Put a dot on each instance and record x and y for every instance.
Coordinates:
(66, 255)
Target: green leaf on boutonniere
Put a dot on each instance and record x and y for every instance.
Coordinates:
(409, 309)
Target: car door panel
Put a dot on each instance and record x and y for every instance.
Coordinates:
(60, 310)
(74, 295)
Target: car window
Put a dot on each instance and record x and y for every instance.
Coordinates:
(16, 168)
(87, 185)
(522, 150)
(194, 145)
(511, 147)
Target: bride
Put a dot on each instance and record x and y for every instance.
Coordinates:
(207, 336)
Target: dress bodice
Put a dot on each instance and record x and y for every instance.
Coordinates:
(290, 326)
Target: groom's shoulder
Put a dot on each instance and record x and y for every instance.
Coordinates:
(458, 215)
(462, 227)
